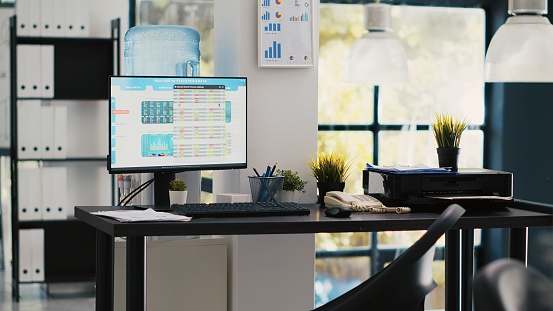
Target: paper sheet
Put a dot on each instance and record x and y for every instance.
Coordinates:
(406, 169)
(141, 215)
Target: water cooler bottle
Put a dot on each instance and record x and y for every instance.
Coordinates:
(164, 51)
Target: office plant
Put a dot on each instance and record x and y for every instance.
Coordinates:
(292, 183)
(330, 169)
(177, 184)
(447, 131)
(177, 191)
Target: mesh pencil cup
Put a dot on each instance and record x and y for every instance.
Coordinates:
(266, 189)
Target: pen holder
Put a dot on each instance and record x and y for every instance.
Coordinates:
(266, 189)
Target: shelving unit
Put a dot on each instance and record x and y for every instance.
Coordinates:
(81, 69)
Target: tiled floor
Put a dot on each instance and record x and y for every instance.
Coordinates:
(36, 297)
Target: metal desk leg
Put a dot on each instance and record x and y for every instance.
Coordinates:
(467, 268)
(518, 244)
(104, 271)
(135, 274)
(452, 264)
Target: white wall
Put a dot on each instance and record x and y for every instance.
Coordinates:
(269, 272)
(282, 103)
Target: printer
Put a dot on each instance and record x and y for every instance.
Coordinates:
(466, 186)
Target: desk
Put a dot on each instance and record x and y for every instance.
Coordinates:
(459, 241)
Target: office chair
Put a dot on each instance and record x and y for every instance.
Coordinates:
(403, 284)
(507, 285)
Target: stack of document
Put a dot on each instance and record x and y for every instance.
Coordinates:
(141, 215)
(406, 169)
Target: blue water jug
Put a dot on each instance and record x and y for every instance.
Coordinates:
(163, 50)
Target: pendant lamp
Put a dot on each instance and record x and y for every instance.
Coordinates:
(522, 49)
(377, 57)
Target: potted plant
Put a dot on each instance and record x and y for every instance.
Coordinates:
(292, 183)
(177, 191)
(447, 131)
(331, 170)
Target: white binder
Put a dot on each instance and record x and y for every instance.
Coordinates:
(35, 12)
(30, 194)
(83, 18)
(47, 130)
(60, 23)
(23, 14)
(60, 132)
(28, 127)
(71, 18)
(23, 70)
(54, 193)
(47, 28)
(34, 70)
(24, 201)
(77, 18)
(37, 255)
(47, 71)
(25, 255)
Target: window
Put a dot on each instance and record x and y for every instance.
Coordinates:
(389, 124)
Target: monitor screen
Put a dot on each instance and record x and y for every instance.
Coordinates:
(175, 124)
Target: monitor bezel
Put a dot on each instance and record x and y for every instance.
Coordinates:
(173, 168)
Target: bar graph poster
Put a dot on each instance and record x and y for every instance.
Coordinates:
(285, 33)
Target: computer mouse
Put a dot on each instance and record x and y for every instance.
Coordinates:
(338, 211)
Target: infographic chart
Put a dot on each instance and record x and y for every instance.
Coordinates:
(285, 33)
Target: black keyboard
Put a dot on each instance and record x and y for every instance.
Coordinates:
(244, 209)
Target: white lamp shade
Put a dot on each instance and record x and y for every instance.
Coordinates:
(376, 58)
(521, 51)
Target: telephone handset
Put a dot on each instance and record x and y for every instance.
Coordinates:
(360, 203)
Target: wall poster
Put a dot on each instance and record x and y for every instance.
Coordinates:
(285, 30)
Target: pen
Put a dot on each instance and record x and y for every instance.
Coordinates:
(256, 173)
(273, 170)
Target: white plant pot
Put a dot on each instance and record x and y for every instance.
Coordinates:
(177, 197)
(287, 196)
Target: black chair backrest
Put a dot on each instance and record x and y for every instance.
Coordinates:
(507, 285)
(404, 283)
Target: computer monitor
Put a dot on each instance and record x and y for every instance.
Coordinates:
(175, 124)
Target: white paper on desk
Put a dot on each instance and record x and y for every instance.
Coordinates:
(417, 168)
(141, 215)
(471, 197)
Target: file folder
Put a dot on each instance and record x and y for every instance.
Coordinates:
(37, 255)
(30, 194)
(24, 71)
(47, 71)
(29, 75)
(23, 14)
(75, 18)
(60, 132)
(83, 18)
(47, 28)
(54, 193)
(35, 12)
(47, 130)
(28, 127)
(60, 23)
(25, 255)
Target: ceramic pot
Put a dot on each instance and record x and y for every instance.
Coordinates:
(448, 157)
(287, 196)
(325, 187)
(177, 197)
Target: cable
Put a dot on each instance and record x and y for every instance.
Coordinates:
(136, 191)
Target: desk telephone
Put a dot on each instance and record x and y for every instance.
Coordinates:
(360, 203)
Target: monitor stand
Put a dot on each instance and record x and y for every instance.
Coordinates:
(161, 193)
(161, 188)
